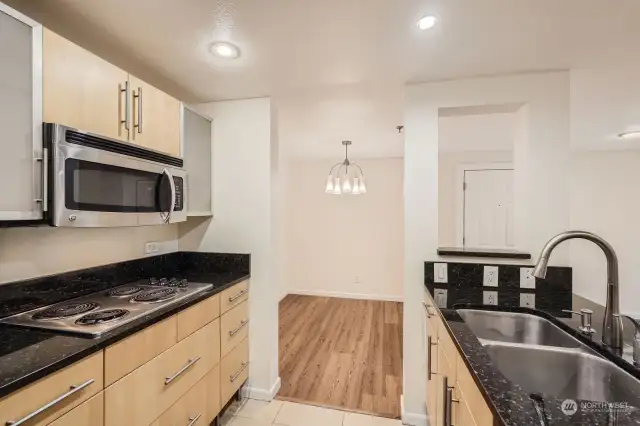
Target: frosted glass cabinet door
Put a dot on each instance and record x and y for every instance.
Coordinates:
(196, 134)
(21, 152)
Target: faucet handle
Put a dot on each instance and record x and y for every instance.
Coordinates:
(636, 340)
(585, 320)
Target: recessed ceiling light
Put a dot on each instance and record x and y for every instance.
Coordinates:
(427, 22)
(631, 134)
(223, 49)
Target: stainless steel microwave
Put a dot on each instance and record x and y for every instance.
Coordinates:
(93, 181)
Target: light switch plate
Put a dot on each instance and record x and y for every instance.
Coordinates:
(528, 300)
(440, 296)
(440, 274)
(489, 297)
(527, 280)
(490, 276)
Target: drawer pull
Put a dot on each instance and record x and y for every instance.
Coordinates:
(239, 295)
(72, 390)
(235, 331)
(182, 370)
(193, 420)
(233, 377)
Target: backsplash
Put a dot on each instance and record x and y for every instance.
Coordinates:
(465, 286)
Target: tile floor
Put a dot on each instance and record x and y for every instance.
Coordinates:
(251, 412)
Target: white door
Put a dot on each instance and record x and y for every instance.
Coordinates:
(488, 208)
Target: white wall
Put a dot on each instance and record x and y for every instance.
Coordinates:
(33, 252)
(331, 239)
(244, 168)
(541, 161)
(345, 246)
(605, 174)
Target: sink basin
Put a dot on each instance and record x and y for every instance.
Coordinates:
(516, 327)
(564, 373)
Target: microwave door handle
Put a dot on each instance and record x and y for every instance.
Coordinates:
(173, 194)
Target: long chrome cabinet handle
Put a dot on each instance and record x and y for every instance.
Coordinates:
(138, 97)
(126, 104)
(429, 344)
(182, 370)
(239, 295)
(234, 331)
(73, 389)
(233, 377)
(448, 403)
(193, 420)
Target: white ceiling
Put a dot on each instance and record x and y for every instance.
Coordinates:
(292, 44)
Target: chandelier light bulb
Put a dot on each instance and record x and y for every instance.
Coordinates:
(346, 185)
(336, 186)
(356, 187)
(329, 188)
(363, 187)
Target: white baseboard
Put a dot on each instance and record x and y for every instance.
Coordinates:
(262, 394)
(345, 295)
(412, 419)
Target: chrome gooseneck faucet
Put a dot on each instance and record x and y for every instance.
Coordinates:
(612, 323)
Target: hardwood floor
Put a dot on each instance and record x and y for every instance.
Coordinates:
(341, 353)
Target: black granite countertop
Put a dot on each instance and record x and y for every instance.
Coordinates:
(27, 355)
(511, 405)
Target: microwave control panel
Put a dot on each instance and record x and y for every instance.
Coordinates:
(179, 184)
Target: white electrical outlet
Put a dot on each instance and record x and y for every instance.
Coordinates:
(490, 276)
(440, 274)
(489, 297)
(151, 247)
(441, 297)
(527, 300)
(527, 280)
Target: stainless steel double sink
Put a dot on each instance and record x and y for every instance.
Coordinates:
(540, 357)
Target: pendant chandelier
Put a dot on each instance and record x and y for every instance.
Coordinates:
(346, 177)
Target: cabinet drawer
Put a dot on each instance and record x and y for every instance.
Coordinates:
(89, 413)
(234, 370)
(197, 316)
(143, 395)
(233, 296)
(85, 375)
(471, 394)
(234, 326)
(127, 355)
(190, 409)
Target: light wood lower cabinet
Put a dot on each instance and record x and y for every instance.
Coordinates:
(155, 118)
(82, 90)
(234, 370)
(197, 316)
(142, 396)
(127, 355)
(233, 296)
(451, 386)
(234, 327)
(61, 392)
(190, 409)
(89, 413)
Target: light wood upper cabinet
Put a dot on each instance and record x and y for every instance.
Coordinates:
(155, 118)
(82, 90)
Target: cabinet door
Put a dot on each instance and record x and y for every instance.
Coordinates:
(81, 90)
(196, 140)
(155, 118)
(20, 116)
(89, 413)
(432, 370)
